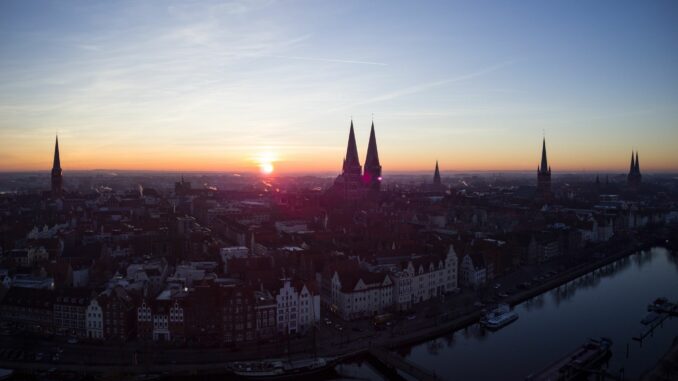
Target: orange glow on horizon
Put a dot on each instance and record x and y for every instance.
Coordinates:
(280, 159)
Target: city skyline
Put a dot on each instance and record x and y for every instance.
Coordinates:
(228, 86)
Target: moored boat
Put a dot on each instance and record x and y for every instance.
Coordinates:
(499, 317)
(576, 364)
(650, 318)
(280, 370)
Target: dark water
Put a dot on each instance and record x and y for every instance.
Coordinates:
(610, 303)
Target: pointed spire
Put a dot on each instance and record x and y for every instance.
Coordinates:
(57, 161)
(372, 158)
(633, 164)
(436, 175)
(57, 179)
(544, 163)
(351, 161)
(372, 174)
(352, 148)
(637, 163)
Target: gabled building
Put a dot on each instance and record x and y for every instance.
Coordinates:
(424, 278)
(162, 318)
(355, 293)
(298, 307)
(473, 272)
(111, 315)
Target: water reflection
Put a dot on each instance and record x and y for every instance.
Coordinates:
(591, 280)
(608, 302)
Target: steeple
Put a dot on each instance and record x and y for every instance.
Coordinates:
(372, 158)
(544, 163)
(436, 175)
(634, 177)
(57, 179)
(372, 175)
(544, 175)
(351, 161)
(57, 161)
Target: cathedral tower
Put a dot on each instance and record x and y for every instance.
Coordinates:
(634, 177)
(372, 175)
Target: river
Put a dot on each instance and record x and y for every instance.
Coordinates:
(609, 302)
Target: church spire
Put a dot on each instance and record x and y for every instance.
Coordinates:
(436, 175)
(372, 158)
(544, 163)
(634, 177)
(372, 175)
(57, 180)
(56, 164)
(544, 174)
(351, 161)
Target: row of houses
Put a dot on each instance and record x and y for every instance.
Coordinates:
(210, 312)
(353, 291)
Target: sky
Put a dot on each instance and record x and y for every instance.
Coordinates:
(239, 85)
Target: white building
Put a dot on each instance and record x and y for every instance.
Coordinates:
(473, 272)
(298, 307)
(357, 293)
(94, 321)
(424, 278)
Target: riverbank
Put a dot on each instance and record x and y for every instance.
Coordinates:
(468, 319)
(189, 361)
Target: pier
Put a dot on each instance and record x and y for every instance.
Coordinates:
(583, 361)
(666, 310)
(393, 361)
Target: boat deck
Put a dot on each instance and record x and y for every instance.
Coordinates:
(573, 364)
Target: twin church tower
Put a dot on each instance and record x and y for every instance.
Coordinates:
(353, 180)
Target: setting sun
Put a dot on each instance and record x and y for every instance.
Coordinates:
(265, 161)
(266, 168)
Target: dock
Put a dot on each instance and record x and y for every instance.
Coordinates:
(393, 361)
(666, 310)
(585, 360)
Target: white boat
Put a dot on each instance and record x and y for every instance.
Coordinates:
(499, 317)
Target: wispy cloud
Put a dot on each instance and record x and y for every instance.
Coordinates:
(333, 60)
(416, 89)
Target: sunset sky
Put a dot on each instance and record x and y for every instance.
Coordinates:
(223, 86)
